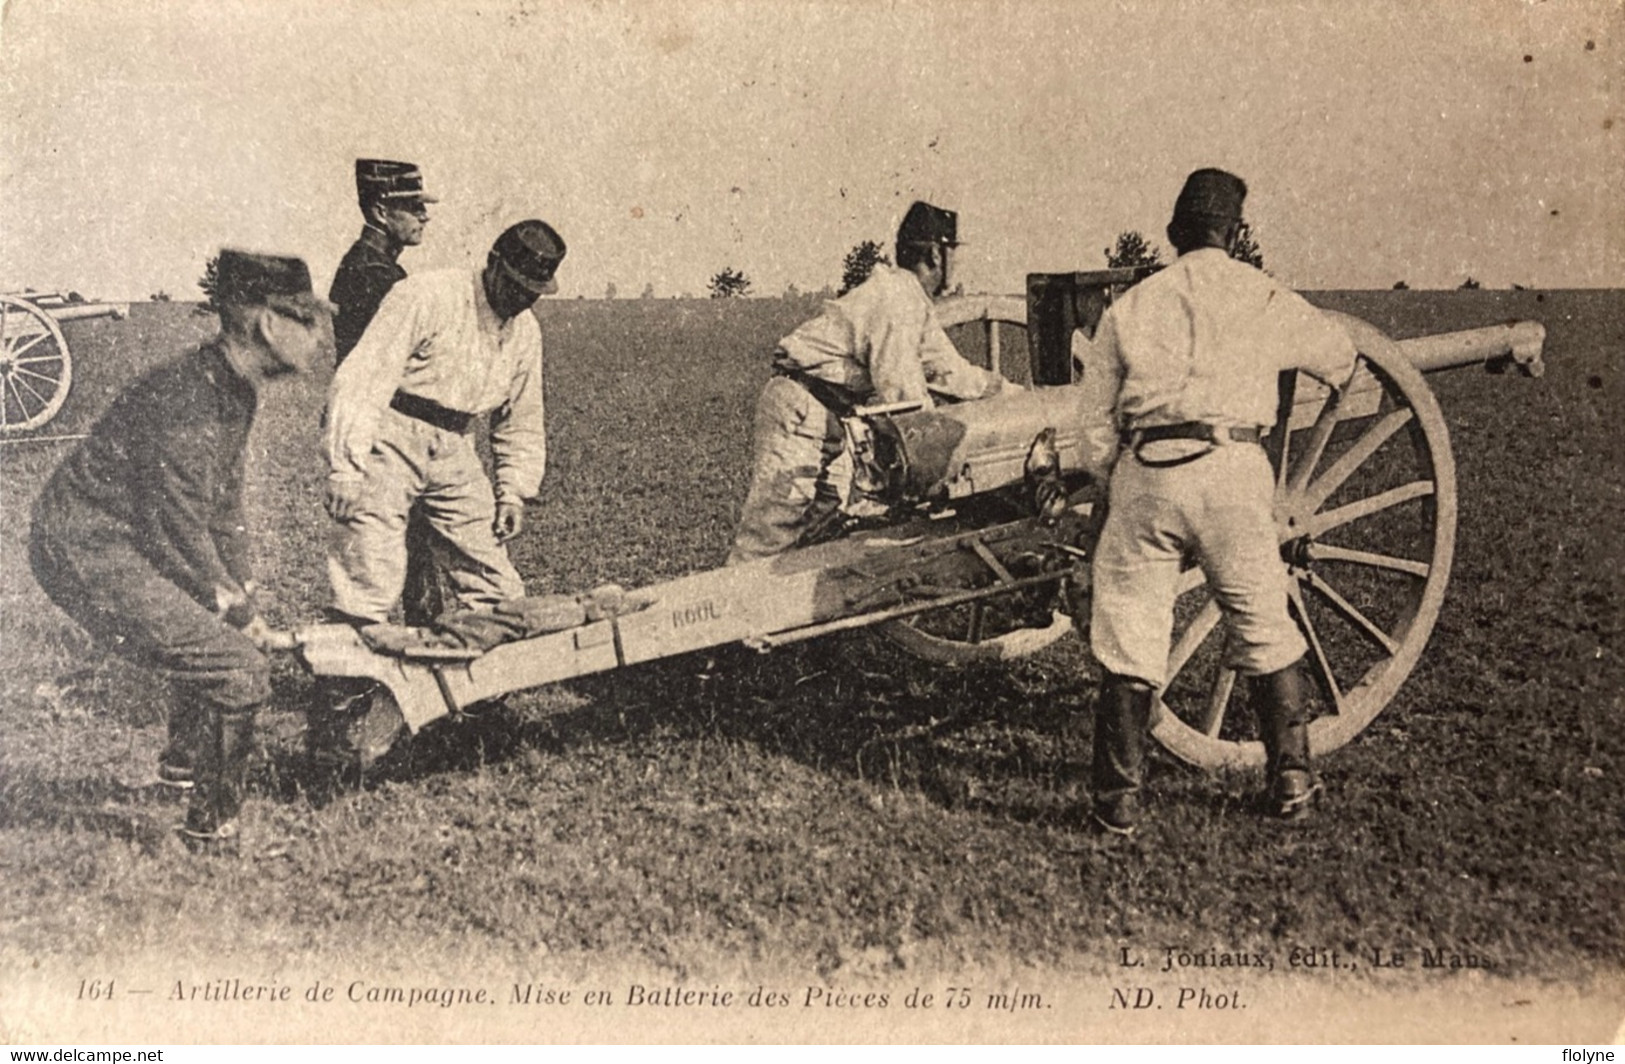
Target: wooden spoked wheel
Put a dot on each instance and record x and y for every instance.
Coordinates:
(990, 629)
(1365, 508)
(35, 368)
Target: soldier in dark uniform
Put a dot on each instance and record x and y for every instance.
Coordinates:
(394, 206)
(140, 535)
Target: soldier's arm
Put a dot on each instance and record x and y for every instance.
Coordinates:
(891, 332)
(947, 372)
(230, 526)
(1099, 386)
(176, 493)
(364, 384)
(1311, 340)
(518, 432)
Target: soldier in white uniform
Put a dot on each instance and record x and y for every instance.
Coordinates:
(445, 347)
(879, 343)
(1182, 378)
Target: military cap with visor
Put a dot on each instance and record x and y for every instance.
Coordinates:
(281, 282)
(530, 253)
(928, 224)
(387, 180)
(1211, 194)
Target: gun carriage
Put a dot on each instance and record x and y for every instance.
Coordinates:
(36, 367)
(962, 567)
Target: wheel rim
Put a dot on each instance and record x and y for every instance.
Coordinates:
(983, 630)
(35, 369)
(1366, 514)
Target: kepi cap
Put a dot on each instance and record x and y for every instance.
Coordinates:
(282, 282)
(530, 252)
(1212, 194)
(926, 224)
(387, 179)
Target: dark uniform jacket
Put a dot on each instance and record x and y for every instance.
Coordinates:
(364, 278)
(163, 470)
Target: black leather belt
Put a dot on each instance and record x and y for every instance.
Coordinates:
(1198, 431)
(1193, 430)
(830, 394)
(431, 413)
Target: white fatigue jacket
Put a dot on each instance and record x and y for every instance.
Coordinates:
(882, 339)
(1202, 340)
(436, 337)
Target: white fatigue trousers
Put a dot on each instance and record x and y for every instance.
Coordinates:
(1217, 509)
(412, 461)
(801, 471)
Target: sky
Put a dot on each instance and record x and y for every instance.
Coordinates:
(1423, 140)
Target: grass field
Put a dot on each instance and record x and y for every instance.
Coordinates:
(838, 809)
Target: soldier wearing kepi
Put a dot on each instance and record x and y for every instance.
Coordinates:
(879, 343)
(445, 347)
(395, 208)
(1182, 377)
(140, 534)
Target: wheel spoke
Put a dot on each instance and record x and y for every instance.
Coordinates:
(46, 377)
(1353, 614)
(1218, 701)
(1350, 460)
(15, 381)
(1327, 552)
(1322, 665)
(18, 352)
(994, 352)
(22, 407)
(1325, 424)
(973, 630)
(1194, 635)
(1372, 504)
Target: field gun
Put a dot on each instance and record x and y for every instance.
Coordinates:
(36, 367)
(963, 568)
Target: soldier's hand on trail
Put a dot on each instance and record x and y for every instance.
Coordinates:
(510, 519)
(344, 496)
(267, 638)
(235, 606)
(1050, 498)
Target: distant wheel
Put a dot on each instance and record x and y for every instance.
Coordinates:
(1365, 508)
(999, 627)
(36, 370)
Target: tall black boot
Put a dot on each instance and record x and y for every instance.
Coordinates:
(1122, 717)
(222, 777)
(1281, 701)
(189, 732)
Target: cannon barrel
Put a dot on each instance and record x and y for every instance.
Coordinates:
(968, 448)
(88, 310)
(1517, 343)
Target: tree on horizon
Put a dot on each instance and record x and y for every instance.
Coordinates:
(1133, 250)
(729, 283)
(210, 281)
(859, 263)
(1246, 249)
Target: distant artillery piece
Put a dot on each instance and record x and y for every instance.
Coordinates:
(36, 367)
(966, 570)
